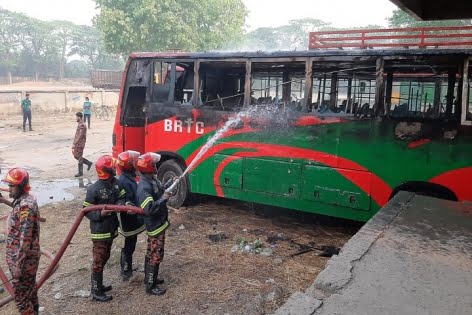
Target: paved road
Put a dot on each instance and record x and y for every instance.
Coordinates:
(413, 257)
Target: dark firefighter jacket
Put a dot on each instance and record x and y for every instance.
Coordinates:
(130, 224)
(156, 214)
(99, 193)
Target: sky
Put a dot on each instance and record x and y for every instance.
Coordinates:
(262, 13)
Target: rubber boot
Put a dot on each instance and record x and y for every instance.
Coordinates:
(98, 293)
(146, 264)
(36, 309)
(80, 167)
(88, 163)
(151, 284)
(126, 264)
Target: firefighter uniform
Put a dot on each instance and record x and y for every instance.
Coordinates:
(103, 229)
(23, 253)
(149, 197)
(130, 224)
(78, 145)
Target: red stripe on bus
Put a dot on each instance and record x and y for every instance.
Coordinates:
(458, 180)
(418, 143)
(380, 192)
(219, 169)
(311, 120)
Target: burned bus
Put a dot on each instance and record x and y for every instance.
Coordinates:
(333, 132)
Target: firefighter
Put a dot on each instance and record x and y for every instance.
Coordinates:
(130, 224)
(22, 245)
(103, 223)
(152, 198)
(79, 144)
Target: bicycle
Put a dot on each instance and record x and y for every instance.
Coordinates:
(102, 111)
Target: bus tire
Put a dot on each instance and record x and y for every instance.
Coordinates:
(167, 170)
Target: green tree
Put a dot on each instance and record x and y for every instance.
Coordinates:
(293, 35)
(401, 19)
(87, 44)
(149, 25)
(39, 46)
(10, 47)
(77, 69)
(64, 33)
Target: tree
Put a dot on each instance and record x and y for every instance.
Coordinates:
(87, 43)
(149, 25)
(10, 47)
(294, 35)
(402, 19)
(63, 30)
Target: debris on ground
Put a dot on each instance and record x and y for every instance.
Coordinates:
(215, 238)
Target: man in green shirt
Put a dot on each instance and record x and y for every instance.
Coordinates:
(26, 109)
(87, 111)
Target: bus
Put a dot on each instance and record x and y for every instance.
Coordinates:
(331, 132)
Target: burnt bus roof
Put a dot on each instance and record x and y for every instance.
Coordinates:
(307, 53)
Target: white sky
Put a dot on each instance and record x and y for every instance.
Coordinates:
(263, 13)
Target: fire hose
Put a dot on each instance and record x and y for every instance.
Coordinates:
(55, 259)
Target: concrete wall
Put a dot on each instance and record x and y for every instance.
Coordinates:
(53, 101)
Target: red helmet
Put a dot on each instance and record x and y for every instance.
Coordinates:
(105, 167)
(147, 162)
(18, 177)
(127, 159)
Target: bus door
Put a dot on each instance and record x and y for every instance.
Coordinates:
(135, 102)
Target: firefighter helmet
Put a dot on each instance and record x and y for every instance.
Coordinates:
(105, 167)
(147, 162)
(18, 177)
(127, 159)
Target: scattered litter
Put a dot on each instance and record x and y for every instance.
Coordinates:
(270, 296)
(181, 227)
(326, 251)
(270, 281)
(82, 293)
(254, 247)
(272, 239)
(58, 296)
(217, 237)
(41, 308)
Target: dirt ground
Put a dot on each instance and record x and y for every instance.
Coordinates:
(204, 270)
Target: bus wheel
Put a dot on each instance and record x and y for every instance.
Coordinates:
(170, 169)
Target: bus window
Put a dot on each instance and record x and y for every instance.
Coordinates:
(281, 84)
(343, 91)
(412, 98)
(161, 86)
(222, 85)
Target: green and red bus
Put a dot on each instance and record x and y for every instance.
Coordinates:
(333, 132)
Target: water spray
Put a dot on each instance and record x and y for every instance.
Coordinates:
(230, 123)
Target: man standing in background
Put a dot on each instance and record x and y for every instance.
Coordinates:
(79, 144)
(87, 111)
(26, 109)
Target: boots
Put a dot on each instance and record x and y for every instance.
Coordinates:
(146, 264)
(36, 309)
(151, 280)
(98, 293)
(88, 163)
(81, 170)
(126, 264)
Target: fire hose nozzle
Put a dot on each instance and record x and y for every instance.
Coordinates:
(172, 187)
